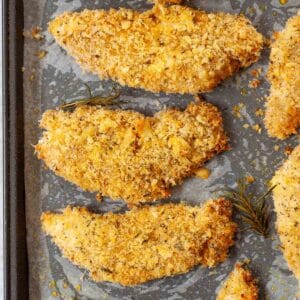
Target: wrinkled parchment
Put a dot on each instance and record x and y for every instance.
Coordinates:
(57, 77)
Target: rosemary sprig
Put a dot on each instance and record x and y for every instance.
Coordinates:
(254, 210)
(95, 100)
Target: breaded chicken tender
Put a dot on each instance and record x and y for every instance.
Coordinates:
(145, 243)
(287, 206)
(124, 154)
(239, 285)
(283, 105)
(172, 49)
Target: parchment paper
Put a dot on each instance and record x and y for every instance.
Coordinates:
(57, 77)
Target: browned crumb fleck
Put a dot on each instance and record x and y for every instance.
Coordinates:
(32, 77)
(251, 10)
(172, 49)
(239, 285)
(259, 112)
(35, 33)
(288, 150)
(54, 294)
(276, 147)
(202, 173)
(283, 104)
(146, 242)
(257, 128)
(41, 54)
(283, 2)
(244, 92)
(52, 284)
(246, 126)
(236, 110)
(249, 179)
(246, 261)
(255, 83)
(255, 72)
(78, 287)
(124, 154)
(65, 285)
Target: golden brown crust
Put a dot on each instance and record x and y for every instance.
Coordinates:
(123, 154)
(145, 243)
(172, 49)
(239, 285)
(287, 206)
(167, 2)
(283, 105)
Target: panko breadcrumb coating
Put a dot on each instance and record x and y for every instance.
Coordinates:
(145, 243)
(172, 49)
(124, 154)
(287, 206)
(239, 285)
(283, 105)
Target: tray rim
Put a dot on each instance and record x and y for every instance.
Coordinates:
(14, 237)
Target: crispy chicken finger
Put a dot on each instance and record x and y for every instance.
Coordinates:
(145, 243)
(239, 285)
(123, 154)
(172, 49)
(287, 206)
(283, 105)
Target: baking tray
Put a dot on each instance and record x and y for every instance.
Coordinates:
(44, 83)
(15, 250)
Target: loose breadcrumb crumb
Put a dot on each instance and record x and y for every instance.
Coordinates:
(257, 128)
(283, 105)
(41, 54)
(287, 206)
(78, 287)
(203, 173)
(236, 110)
(244, 92)
(259, 112)
(276, 147)
(171, 49)
(54, 294)
(283, 2)
(123, 154)
(255, 83)
(249, 179)
(239, 285)
(256, 72)
(35, 33)
(145, 243)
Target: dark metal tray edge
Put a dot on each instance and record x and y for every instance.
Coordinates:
(15, 248)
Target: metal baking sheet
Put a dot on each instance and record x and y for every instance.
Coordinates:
(56, 77)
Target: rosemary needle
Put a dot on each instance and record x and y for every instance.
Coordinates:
(255, 211)
(108, 100)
